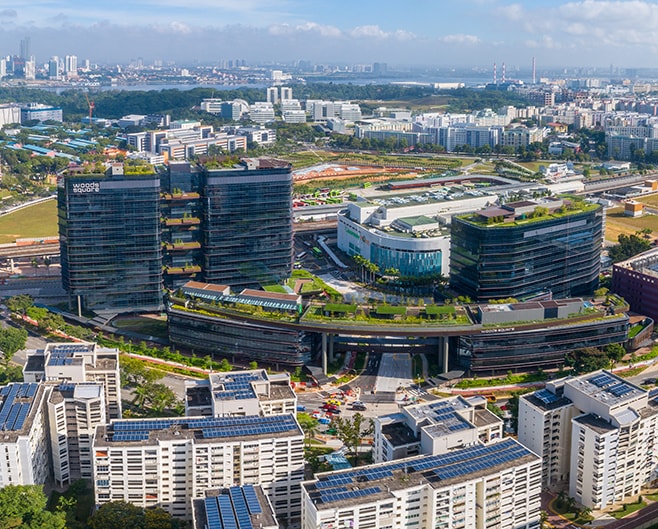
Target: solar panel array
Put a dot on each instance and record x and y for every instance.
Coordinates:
(611, 384)
(333, 495)
(232, 510)
(444, 466)
(211, 427)
(238, 386)
(61, 355)
(13, 412)
(546, 396)
(444, 412)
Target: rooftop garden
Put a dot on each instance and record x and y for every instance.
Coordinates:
(539, 214)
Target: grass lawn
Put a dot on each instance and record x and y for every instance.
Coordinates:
(39, 220)
(148, 326)
(650, 200)
(628, 509)
(618, 223)
(533, 166)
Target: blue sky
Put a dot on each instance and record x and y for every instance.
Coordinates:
(412, 32)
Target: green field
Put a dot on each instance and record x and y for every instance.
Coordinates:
(617, 223)
(34, 221)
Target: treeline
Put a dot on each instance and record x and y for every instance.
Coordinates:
(116, 103)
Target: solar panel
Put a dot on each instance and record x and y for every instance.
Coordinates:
(226, 512)
(240, 508)
(602, 380)
(22, 415)
(546, 396)
(620, 389)
(212, 514)
(252, 499)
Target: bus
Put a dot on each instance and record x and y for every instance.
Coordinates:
(300, 255)
(316, 251)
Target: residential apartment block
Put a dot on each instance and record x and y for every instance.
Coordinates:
(74, 412)
(486, 487)
(24, 450)
(75, 363)
(240, 393)
(246, 507)
(596, 434)
(169, 462)
(435, 428)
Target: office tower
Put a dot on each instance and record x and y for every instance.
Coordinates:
(24, 440)
(169, 462)
(74, 412)
(523, 249)
(78, 362)
(71, 66)
(30, 70)
(596, 435)
(247, 223)
(109, 229)
(487, 487)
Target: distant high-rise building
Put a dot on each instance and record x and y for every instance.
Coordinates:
(3, 68)
(273, 95)
(53, 68)
(109, 229)
(30, 70)
(24, 52)
(286, 93)
(71, 66)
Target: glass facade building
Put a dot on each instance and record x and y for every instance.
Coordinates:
(247, 224)
(111, 255)
(521, 257)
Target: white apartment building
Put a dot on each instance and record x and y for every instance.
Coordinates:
(435, 428)
(240, 393)
(484, 487)
(596, 432)
(273, 95)
(74, 412)
(78, 362)
(24, 440)
(246, 507)
(169, 462)
(261, 112)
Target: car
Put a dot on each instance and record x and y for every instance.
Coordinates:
(324, 420)
(316, 414)
(301, 408)
(333, 401)
(329, 407)
(335, 411)
(359, 407)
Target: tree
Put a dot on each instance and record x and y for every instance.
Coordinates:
(117, 514)
(309, 426)
(615, 352)
(11, 341)
(162, 397)
(588, 359)
(253, 365)
(19, 304)
(352, 431)
(128, 516)
(627, 247)
(24, 507)
(224, 365)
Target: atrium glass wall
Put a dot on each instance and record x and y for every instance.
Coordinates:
(109, 230)
(561, 254)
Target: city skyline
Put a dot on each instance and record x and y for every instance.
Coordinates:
(468, 33)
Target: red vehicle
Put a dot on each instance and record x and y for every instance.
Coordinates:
(331, 408)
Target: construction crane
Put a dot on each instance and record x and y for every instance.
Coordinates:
(91, 106)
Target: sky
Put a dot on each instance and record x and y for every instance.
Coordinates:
(433, 33)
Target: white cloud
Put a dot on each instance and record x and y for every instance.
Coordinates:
(460, 39)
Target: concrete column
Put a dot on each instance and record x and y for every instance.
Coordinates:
(331, 348)
(443, 353)
(324, 353)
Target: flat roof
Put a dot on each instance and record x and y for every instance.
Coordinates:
(200, 429)
(235, 386)
(606, 387)
(16, 400)
(378, 482)
(441, 417)
(245, 506)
